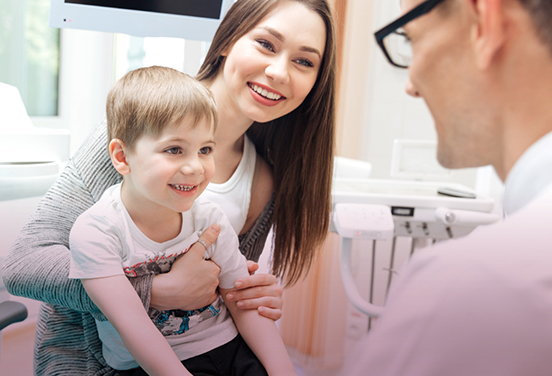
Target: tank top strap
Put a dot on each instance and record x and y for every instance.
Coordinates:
(234, 195)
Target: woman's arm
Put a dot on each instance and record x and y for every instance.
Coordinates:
(37, 265)
(262, 336)
(118, 301)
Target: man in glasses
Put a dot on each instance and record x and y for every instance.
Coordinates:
(479, 305)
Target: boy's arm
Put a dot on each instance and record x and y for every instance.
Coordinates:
(262, 336)
(118, 301)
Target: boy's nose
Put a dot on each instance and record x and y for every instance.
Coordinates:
(192, 167)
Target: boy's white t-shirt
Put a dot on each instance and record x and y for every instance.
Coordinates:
(105, 242)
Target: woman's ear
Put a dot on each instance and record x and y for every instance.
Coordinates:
(118, 154)
(226, 51)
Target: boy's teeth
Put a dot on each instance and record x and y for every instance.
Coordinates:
(183, 187)
(265, 93)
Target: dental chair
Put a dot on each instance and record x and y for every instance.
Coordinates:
(11, 312)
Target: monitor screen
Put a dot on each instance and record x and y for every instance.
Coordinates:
(189, 19)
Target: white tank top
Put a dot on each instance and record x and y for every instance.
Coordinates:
(234, 195)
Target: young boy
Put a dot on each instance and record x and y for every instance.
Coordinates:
(161, 127)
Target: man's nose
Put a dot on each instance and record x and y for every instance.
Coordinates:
(410, 89)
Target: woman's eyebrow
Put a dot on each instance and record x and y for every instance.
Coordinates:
(274, 32)
(281, 38)
(311, 49)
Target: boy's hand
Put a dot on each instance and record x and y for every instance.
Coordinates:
(192, 282)
(260, 292)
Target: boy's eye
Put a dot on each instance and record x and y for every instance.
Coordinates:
(175, 150)
(206, 150)
(266, 44)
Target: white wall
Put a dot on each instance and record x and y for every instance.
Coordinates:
(384, 112)
(87, 73)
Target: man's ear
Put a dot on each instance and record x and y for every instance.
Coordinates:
(488, 31)
(118, 154)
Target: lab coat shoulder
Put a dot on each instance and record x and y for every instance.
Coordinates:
(480, 305)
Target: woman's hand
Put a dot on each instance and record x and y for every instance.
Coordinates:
(192, 282)
(260, 292)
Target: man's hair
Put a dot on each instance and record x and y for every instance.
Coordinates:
(147, 100)
(541, 14)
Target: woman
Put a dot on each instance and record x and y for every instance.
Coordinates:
(271, 68)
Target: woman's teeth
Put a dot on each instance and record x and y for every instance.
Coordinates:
(265, 93)
(183, 187)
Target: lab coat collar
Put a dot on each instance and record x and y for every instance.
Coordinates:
(531, 174)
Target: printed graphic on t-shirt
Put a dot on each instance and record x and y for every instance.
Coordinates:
(176, 322)
(171, 322)
(157, 265)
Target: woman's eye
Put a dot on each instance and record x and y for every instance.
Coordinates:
(175, 150)
(266, 44)
(305, 62)
(206, 150)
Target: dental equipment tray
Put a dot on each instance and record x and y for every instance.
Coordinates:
(383, 210)
(418, 209)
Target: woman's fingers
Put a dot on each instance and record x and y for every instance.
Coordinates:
(273, 314)
(261, 292)
(256, 280)
(266, 306)
(206, 239)
(252, 267)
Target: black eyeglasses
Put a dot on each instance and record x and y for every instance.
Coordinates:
(394, 42)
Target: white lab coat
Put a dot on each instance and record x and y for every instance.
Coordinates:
(480, 305)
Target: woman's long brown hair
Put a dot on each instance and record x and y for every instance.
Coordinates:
(299, 146)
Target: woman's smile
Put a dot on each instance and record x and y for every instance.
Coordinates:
(265, 95)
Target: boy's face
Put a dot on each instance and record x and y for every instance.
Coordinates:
(169, 171)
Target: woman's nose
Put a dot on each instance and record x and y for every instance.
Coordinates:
(278, 70)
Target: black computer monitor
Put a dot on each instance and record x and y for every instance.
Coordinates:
(189, 19)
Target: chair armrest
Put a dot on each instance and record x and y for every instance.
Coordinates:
(11, 312)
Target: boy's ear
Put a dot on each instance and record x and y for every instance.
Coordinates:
(117, 152)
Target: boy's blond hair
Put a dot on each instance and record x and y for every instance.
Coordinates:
(147, 100)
